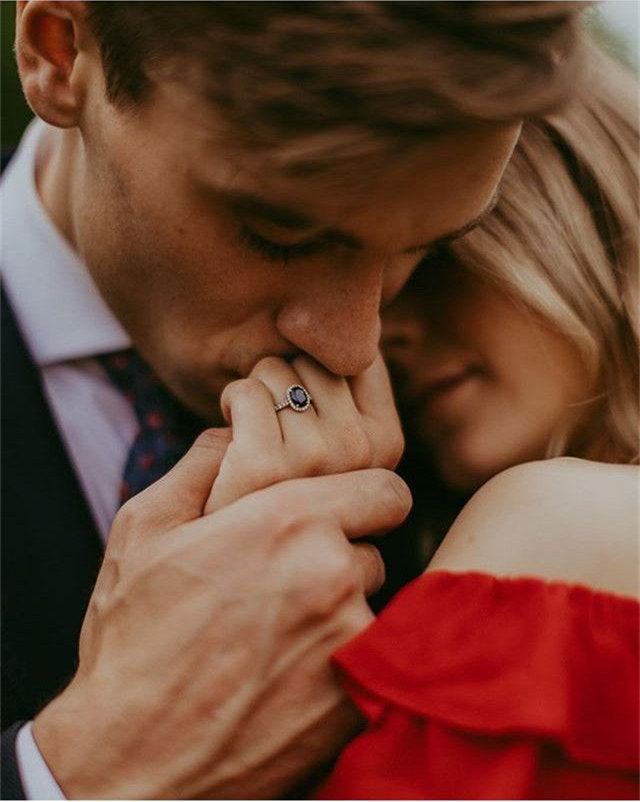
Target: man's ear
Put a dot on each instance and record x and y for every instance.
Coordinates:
(50, 37)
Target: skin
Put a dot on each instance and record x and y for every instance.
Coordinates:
(486, 381)
(204, 673)
(150, 199)
(565, 519)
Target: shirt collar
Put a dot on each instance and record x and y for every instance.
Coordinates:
(59, 310)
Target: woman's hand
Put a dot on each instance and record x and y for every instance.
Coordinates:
(351, 424)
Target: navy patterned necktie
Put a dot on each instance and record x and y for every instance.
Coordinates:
(167, 429)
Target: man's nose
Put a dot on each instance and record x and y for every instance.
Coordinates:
(337, 322)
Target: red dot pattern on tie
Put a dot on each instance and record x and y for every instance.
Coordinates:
(155, 419)
(146, 461)
(166, 431)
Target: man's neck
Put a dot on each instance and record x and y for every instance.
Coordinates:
(56, 172)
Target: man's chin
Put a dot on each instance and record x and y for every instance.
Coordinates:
(208, 409)
(205, 402)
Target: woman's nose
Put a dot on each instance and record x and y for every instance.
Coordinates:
(402, 333)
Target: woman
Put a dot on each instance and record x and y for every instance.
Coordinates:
(534, 315)
(509, 669)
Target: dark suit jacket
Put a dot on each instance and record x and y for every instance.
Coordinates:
(51, 550)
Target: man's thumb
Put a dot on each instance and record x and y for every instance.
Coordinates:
(182, 493)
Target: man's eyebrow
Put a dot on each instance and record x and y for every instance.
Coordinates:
(280, 215)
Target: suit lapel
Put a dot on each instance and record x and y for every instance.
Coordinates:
(51, 550)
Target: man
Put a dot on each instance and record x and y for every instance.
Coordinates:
(219, 184)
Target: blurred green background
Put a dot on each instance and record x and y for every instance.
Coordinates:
(614, 25)
(14, 111)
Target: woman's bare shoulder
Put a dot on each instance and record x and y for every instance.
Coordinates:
(565, 519)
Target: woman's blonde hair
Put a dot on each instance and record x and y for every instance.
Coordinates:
(563, 239)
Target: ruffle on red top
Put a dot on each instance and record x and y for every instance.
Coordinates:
(491, 687)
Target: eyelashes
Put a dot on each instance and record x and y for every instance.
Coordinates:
(280, 253)
(277, 252)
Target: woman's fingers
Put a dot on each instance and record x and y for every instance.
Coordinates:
(247, 404)
(373, 397)
(341, 424)
(255, 456)
(358, 416)
(350, 425)
(305, 447)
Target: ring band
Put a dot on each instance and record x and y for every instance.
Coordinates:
(296, 397)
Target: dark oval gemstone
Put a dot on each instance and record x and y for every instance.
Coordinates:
(298, 396)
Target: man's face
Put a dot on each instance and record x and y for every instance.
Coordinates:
(211, 259)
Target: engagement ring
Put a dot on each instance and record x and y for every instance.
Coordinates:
(297, 398)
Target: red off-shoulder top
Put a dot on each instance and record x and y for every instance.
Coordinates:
(478, 687)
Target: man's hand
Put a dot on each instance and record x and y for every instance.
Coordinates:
(204, 652)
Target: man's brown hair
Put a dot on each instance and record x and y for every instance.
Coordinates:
(286, 71)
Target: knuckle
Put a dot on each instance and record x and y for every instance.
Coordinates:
(247, 391)
(334, 579)
(231, 390)
(339, 571)
(311, 458)
(266, 469)
(360, 450)
(352, 450)
(129, 520)
(128, 515)
(393, 450)
(267, 365)
(252, 387)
